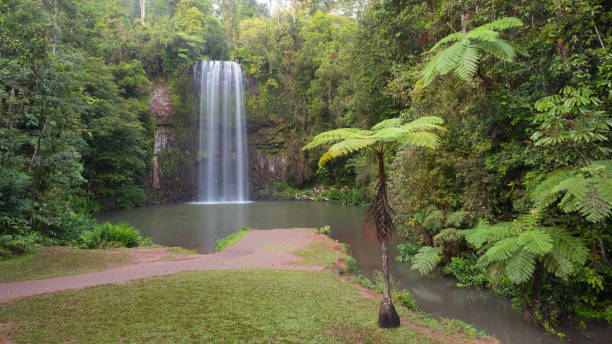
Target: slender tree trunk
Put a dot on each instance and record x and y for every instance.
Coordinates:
(142, 11)
(387, 315)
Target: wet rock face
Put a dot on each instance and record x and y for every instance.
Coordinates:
(160, 104)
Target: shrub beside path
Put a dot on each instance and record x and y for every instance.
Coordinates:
(258, 249)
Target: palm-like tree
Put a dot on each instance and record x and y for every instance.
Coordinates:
(463, 56)
(383, 137)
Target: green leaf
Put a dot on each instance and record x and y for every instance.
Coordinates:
(501, 250)
(536, 242)
(520, 267)
(426, 259)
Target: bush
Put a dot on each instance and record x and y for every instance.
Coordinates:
(467, 271)
(405, 298)
(71, 226)
(351, 263)
(109, 235)
(17, 244)
(324, 230)
(407, 251)
(131, 196)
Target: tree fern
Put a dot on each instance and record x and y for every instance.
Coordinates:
(379, 139)
(449, 235)
(456, 218)
(587, 190)
(513, 248)
(520, 266)
(463, 56)
(426, 259)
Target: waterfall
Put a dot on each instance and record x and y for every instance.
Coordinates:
(222, 148)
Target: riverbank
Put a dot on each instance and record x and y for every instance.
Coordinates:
(254, 305)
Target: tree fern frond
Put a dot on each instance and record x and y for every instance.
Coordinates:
(501, 49)
(496, 272)
(462, 57)
(520, 267)
(594, 208)
(426, 259)
(448, 235)
(485, 232)
(603, 184)
(544, 194)
(456, 218)
(468, 63)
(558, 264)
(567, 245)
(336, 135)
(346, 147)
(481, 34)
(421, 139)
(434, 220)
(536, 242)
(502, 24)
(388, 123)
(450, 57)
(453, 37)
(425, 123)
(430, 70)
(501, 250)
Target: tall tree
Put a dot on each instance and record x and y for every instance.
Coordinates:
(382, 138)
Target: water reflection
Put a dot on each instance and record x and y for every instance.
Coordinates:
(199, 226)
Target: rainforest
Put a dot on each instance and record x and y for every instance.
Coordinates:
(477, 131)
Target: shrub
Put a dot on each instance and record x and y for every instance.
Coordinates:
(131, 196)
(324, 230)
(71, 226)
(467, 271)
(107, 234)
(351, 263)
(17, 244)
(407, 251)
(405, 298)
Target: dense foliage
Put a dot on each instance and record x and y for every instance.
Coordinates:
(516, 197)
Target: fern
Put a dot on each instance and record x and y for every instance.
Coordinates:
(426, 259)
(588, 191)
(501, 250)
(536, 242)
(456, 218)
(464, 54)
(484, 232)
(347, 140)
(520, 267)
(448, 235)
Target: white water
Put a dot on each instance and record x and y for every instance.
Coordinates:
(222, 156)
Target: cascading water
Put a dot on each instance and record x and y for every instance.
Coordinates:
(222, 147)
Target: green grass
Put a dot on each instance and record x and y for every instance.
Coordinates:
(319, 253)
(254, 306)
(231, 239)
(58, 261)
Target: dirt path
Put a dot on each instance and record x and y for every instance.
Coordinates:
(258, 249)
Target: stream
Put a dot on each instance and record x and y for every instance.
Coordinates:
(200, 225)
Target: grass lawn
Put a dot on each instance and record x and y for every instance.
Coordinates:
(59, 261)
(49, 262)
(249, 306)
(320, 252)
